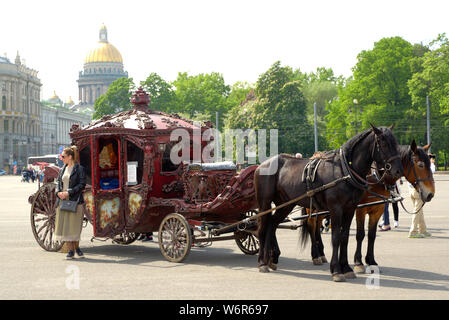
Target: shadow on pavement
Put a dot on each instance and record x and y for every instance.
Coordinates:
(144, 255)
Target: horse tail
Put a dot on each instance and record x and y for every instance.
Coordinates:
(304, 234)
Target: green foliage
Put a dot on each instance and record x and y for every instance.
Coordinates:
(203, 94)
(432, 79)
(238, 93)
(276, 103)
(161, 93)
(377, 93)
(116, 99)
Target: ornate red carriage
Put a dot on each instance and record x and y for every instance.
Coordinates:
(133, 186)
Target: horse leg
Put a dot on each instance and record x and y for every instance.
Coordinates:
(343, 259)
(262, 235)
(319, 240)
(335, 268)
(276, 219)
(360, 218)
(372, 230)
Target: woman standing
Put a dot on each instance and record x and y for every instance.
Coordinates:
(71, 183)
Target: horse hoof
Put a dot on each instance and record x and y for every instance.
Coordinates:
(350, 275)
(338, 277)
(264, 269)
(317, 261)
(323, 259)
(360, 268)
(273, 266)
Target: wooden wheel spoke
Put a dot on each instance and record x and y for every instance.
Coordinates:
(40, 219)
(39, 211)
(42, 227)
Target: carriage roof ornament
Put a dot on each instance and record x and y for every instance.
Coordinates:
(140, 99)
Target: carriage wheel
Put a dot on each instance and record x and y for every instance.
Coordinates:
(125, 238)
(247, 242)
(175, 237)
(43, 214)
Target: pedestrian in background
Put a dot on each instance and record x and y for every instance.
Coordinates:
(70, 185)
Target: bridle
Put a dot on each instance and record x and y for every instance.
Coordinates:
(417, 178)
(417, 181)
(386, 169)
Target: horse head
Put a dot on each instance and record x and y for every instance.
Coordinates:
(385, 154)
(417, 171)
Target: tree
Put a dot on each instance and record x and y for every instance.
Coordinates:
(202, 94)
(379, 84)
(432, 79)
(238, 93)
(116, 99)
(162, 95)
(276, 103)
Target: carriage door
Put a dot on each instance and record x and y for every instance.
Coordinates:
(107, 187)
(135, 185)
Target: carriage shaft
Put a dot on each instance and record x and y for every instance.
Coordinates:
(214, 239)
(309, 193)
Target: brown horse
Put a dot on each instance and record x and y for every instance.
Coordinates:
(278, 180)
(417, 171)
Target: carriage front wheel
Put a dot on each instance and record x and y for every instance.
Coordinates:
(247, 242)
(175, 237)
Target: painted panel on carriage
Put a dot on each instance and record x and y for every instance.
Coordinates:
(89, 200)
(135, 201)
(109, 212)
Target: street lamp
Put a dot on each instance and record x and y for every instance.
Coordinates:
(355, 123)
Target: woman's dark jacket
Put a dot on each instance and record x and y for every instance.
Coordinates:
(77, 183)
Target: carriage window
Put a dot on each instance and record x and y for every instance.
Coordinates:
(134, 164)
(85, 162)
(167, 164)
(109, 163)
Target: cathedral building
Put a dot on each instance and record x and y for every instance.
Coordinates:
(102, 66)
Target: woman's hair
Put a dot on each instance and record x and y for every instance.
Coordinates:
(72, 151)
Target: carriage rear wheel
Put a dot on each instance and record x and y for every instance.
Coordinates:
(175, 237)
(43, 214)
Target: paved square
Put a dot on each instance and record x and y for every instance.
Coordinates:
(410, 268)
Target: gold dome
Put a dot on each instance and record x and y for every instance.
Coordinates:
(104, 52)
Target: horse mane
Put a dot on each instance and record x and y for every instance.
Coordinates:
(349, 145)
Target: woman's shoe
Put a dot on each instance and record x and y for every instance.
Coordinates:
(70, 255)
(385, 228)
(79, 253)
(416, 235)
(396, 224)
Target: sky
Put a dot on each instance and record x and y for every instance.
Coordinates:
(239, 39)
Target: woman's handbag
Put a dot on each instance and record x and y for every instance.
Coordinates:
(69, 205)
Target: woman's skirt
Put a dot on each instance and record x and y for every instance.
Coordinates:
(68, 224)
